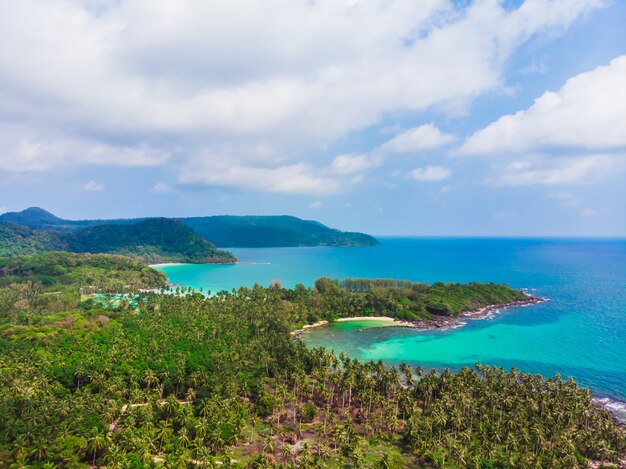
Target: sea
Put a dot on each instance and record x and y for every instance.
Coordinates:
(579, 332)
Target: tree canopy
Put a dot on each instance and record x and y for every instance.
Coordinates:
(188, 380)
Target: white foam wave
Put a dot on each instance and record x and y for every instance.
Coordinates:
(617, 408)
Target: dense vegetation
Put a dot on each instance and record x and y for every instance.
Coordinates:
(38, 218)
(52, 282)
(402, 299)
(273, 231)
(16, 240)
(187, 380)
(225, 231)
(152, 240)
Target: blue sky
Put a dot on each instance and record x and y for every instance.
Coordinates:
(486, 117)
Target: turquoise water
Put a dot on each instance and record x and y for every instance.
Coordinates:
(580, 332)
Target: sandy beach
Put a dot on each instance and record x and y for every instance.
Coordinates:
(298, 333)
(435, 322)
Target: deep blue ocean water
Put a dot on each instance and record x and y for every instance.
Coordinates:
(579, 332)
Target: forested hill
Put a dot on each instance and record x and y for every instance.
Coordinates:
(35, 217)
(152, 240)
(223, 231)
(273, 231)
(16, 240)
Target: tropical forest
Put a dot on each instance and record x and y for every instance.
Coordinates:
(104, 365)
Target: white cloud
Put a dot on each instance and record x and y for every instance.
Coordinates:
(424, 137)
(166, 78)
(559, 171)
(348, 164)
(24, 149)
(316, 204)
(292, 179)
(587, 114)
(413, 140)
(93, 186)
(161, 188)
(430, 173)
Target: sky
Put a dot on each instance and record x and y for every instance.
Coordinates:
(392, 117)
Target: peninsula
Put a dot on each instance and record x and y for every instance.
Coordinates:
(417, 305)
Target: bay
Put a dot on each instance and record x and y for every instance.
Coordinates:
(579, 332)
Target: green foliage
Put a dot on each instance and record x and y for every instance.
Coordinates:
(273, 231)
(36, 286)
(401, 299)
(16, 240)
(153, 240)
(187, 380)
(225, 231)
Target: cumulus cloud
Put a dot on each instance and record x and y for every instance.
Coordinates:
(348, 164)
(24, 149)
(560, 171)
(587, 114)
(94, 186)
(133, 82)
(418, 139)
(291, 179)
(430, 174)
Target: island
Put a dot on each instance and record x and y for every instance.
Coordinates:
(222, 231)
(177, 378)
(154, 240)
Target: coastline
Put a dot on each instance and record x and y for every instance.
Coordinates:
(452, 322)
(171, 264)
(435, 322)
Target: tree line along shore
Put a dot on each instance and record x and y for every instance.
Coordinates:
(189, 380)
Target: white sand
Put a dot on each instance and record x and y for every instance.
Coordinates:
(367, 318)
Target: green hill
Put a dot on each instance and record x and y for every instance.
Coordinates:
(152, 240)
(16, 240)
(33, 217)
(273, 231)
(223, 231)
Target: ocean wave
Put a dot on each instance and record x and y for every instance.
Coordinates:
(492, 314)
(617, 408)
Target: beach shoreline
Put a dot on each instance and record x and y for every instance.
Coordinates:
(173, 264)
(435, 322)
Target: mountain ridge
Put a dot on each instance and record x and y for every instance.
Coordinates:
(153, 240)
(221, 230)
